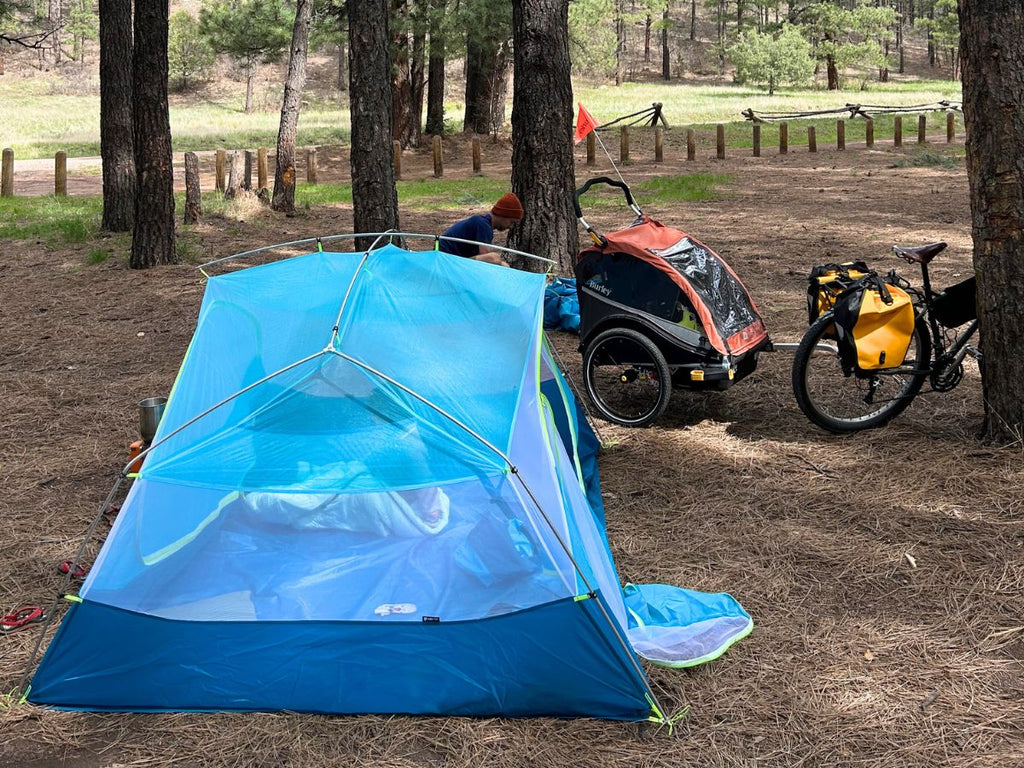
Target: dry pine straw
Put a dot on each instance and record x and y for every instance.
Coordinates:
(883, 570)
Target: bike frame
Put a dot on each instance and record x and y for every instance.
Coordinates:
(941, 354)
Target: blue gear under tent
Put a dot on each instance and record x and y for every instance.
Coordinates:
(371, 492)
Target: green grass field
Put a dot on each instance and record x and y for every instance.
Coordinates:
(40, 116)
(69, 220)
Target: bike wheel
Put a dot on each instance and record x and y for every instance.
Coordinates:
(840, 403)
(627, 377)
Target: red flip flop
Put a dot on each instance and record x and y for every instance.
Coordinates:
(69, 566)
(29, 614)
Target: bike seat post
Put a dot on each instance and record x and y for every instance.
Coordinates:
(926, 282)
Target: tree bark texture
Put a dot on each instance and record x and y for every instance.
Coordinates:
(116, 143)
(153, 237)
(417, 81)
(284, 172)
(435, 78)
(542, 113)
(993, 90)
(401, 88)
(374, 198)
(620, 44)
(666, 59)
(435, 75)
(250, 80)
(486, 83)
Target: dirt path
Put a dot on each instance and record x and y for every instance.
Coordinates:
(883, 570)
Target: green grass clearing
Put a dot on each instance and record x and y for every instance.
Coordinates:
(50, 219)
(42, 116)
(56, 220)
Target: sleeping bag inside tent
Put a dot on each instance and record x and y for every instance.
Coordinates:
(368, 494)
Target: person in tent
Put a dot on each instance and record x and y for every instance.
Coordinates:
(504, 215)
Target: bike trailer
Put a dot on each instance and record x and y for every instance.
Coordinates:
(874, 324)
(674, 289)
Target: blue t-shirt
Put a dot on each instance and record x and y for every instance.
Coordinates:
(474, 228)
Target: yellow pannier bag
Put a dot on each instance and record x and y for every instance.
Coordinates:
(828, 281)
(874, 324)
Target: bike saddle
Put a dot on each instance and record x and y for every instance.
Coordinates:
(922, 254)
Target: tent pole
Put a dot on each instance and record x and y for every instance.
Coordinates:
(138, 459)
(515, 473)
(393, 233)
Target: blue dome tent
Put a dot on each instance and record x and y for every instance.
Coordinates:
(370, 493)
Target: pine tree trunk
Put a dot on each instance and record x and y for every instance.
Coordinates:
(542, 160)
(417, 81)
(116, 143)
(250, 79)
(486, 83)
(153, 237)
(56, 18)
(832, 73)
(693, 19)
(374, 199)
(401, 95)
(342, 75)
(647, 40)
(284, 173)
(435, 76)
(620, 44)
(993, 88)
(666, 59)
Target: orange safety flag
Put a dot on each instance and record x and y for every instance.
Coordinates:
(584, 125)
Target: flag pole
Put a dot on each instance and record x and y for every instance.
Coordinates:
(609, 154)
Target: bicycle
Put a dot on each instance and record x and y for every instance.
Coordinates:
(849, 401)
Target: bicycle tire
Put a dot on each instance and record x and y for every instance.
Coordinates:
(844, 404)
(615, 361)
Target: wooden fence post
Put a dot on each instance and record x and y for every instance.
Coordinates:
(477, 157)
(869, 133)
(60, 174)
(624, 145)
(922, 129)
(950, 127)
(757, 139)
(438, 158)
(311, 168)
(591, 148)
(812, 139)
(219, 169)
(234, 176)
(840, 134)
(720, 141)
(193, 194)
(7, 173)
(659, 144)
(396, 158)
(783, 138)
(247, 179)
(897, 131)
(262, 169)
(691, 144)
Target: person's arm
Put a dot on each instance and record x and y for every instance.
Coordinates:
(491, 257)
(484, 253)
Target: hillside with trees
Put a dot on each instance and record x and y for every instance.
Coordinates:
(461, 50)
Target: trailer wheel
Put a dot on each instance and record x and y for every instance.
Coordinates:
(627, 377)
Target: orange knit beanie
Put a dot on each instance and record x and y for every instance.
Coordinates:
(509, 207)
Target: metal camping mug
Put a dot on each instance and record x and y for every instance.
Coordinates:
(151, 410)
